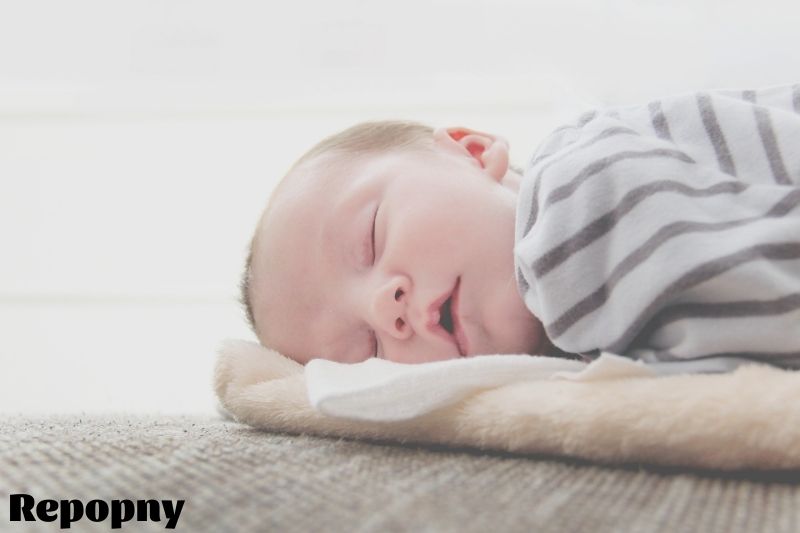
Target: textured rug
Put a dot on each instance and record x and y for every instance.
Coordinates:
(236, 478)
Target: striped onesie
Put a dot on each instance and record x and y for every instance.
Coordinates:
(669, 232)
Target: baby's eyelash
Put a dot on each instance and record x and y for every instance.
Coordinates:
(372, 238)
(374, 343)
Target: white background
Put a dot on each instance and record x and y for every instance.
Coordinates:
(139, 141)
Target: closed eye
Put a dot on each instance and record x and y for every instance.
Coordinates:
(372, 262)
(372, 237)
(375, 344)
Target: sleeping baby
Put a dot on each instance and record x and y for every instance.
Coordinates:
(661, 232)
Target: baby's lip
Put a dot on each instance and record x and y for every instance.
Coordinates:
(433, 317)
(455, 312)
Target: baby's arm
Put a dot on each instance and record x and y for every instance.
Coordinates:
(670, 231)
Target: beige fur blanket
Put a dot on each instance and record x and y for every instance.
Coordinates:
(746, 419)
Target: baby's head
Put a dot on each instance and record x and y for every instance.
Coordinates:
(391, 239)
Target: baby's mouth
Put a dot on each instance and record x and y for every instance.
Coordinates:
(443, 319)
(445, 316)
(458, 327)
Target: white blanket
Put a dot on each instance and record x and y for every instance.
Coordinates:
(381, 390)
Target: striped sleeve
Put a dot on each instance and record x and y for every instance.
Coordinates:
(669, 232)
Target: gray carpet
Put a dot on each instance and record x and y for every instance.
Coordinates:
(234, 478)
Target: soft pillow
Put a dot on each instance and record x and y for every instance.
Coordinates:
(746, 419)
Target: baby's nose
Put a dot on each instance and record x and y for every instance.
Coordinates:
(391, 307)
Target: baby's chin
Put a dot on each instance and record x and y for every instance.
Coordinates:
(525, 335)
(523, 346)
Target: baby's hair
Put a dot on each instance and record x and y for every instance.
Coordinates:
(371, 137)
(363, 138)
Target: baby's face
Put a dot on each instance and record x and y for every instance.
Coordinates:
(404, 255)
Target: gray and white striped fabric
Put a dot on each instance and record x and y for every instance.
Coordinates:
(669, 232)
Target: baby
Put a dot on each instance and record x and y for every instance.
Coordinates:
(663, 232)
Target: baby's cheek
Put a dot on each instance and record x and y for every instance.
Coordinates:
(430, 244)
(519, 330)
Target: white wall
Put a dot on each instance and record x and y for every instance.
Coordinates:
(140, 139)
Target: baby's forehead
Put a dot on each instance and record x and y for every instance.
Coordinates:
(299, 204)
(314, 189)
(286, 285)
(337, 168)
(314, 184)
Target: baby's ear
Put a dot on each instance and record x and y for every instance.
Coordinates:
(487, 150)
